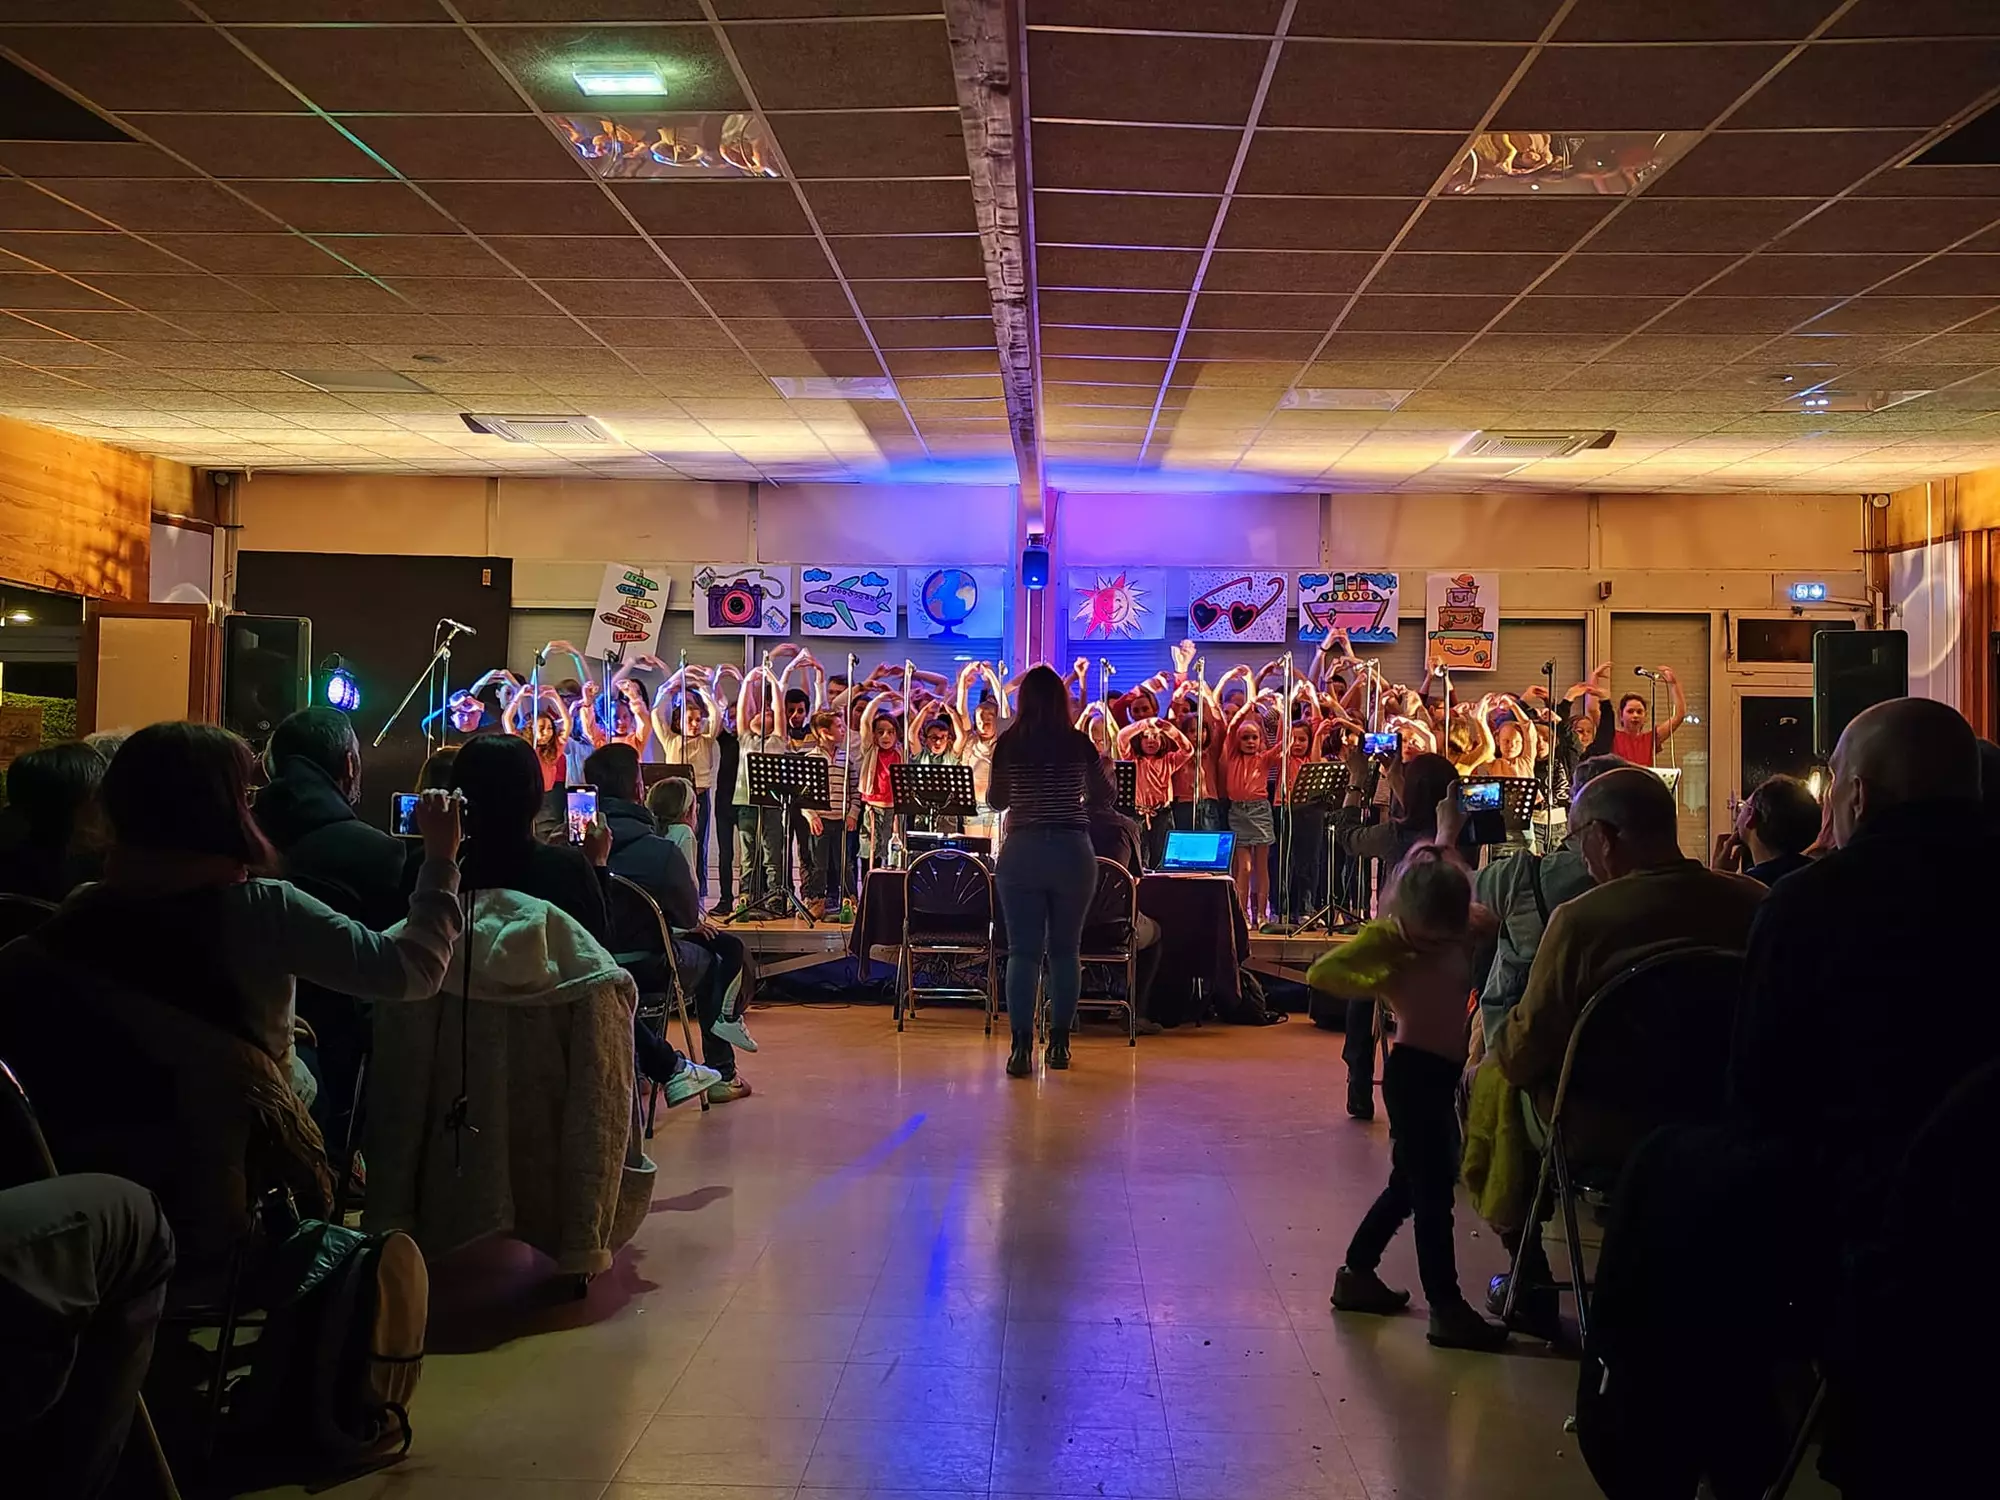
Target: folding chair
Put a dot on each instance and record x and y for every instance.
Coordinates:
(948, 912)
(20, 915)
(1653, 1043)
(635, 919)
(26, 1158)
(1110, 937)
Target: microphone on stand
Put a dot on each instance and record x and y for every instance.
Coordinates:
(455, 625)
(1646, 672)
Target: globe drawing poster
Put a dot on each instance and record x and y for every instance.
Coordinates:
(742, 599)
(853, 600)
(1117, 604)
(956, 603)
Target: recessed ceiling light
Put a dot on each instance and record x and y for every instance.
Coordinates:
(1334, 398)
(835, 387)
(1821, 401)
(358, 382)
(597, 82)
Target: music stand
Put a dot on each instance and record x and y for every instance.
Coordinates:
(1323, 784)
(651, 774)
(1126, 775)
(931, 791)
(789, 783)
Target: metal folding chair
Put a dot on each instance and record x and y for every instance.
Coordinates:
(948, 912)
(1653, 1043)
(632, 909)
(1110, 937)
(20, 915)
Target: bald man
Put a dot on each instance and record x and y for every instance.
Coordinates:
(1648, 897)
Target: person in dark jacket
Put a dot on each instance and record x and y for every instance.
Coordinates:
(712, 963)
(500, 778)
(306, 810)
(1775, 826)
(51, 835)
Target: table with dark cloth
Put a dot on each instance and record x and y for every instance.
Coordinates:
(1202, 937)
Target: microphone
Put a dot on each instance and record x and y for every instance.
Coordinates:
(1549, 668)
(455, 625)
(1646, 672)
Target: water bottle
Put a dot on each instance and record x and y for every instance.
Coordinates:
(896, 852)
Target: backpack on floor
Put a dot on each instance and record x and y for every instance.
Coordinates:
(341, 1353)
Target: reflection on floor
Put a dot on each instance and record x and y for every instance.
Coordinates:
(894, 1270)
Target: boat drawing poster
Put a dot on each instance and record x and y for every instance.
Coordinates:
(954, 603)
(742, 599)
(1237, 604)
(1462, 621)
(848, 600)
(1362, 604)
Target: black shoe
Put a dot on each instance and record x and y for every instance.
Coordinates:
(1537, 1311)
(1021, 1061)
(1366, 1292)
(1457, 1326)
(1058, 1053)
(1360, 1109)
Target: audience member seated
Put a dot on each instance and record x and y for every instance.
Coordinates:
(1775, 826)
(307, 812)
(713, 963)
(185, 913)
(505, 1103)
(1648, 898)
(1118, 838)
(672, 804)
(503, 793)
(84, 1262)
(1725, 1255)
(435, 776)
(51, 838)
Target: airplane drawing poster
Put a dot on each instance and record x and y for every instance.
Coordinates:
(1362, 604)
(853, 601)
(1237, 604)
(1462, 621)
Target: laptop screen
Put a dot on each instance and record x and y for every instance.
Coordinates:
(1198, 851)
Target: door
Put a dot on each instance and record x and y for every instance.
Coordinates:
(1774, 738)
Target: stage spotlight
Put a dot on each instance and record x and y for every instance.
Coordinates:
(337, 687)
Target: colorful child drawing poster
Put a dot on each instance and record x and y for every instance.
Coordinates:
(1236, 604)
(1462, 621)
(837, 599)
(630, 603)
(957, 604)
(1117, 604)
(1362, 604)
(742, 599)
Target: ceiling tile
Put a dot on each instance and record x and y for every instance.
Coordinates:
(122, 68)
(140, 205)
(1423, 314)
(1126, 76)
(406, 254)
(1633, 88)
(632, 299)
(530, 207)
(1919, 84)
(1885, 224)
(1386, 87)
(1123, 343)
(902, 143)
(1303, 312)
(492, 148)
(1228, 345)
(623, 256)
(776, 299)
(922, 299)
(928, 333)
(1875, 18)
(909, 257)
(1779, 164)
(91, 252)
(854, 65)
(1807, 275)
(469, 294)
(1616, 275)
(1415, 272)
(1698, 225)
(1355, 163)
(1693, 20)
(1122, 219)
(689, 208)
(1516, 225)
(1311, 223)
(1287, 271)
(31, 290)
(1141, 270)
(1436, 20)
(907, 207)
(1950, 276)
(1113, 309)
(1901, 315)
(89, 159)
(1740, 314)
(256, 254)
(429, 69)
(1569, 314)
(343, 208)
(1132, 158)
(286, 146)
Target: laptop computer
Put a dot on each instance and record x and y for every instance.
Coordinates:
(1197, 853)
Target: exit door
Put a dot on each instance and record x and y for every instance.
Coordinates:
(1775, 738)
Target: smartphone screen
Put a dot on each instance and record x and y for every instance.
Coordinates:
(1389, 742)
(581, 804)
(403, 815)
(1480, 796)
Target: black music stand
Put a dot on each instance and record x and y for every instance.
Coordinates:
(789, 783)
(1323, 784)
(931, 791)
(1126, 776)
(651, 774)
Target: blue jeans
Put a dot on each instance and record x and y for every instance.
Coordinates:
(1046, 878)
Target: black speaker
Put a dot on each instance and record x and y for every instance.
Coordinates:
(1853, 670)
(266, 672)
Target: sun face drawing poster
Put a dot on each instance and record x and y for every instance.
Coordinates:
(1362, 604)
(742, 599)
(1117, 604)
(835, 599)
(1462, 621)
(1236, 604)
(956, 603)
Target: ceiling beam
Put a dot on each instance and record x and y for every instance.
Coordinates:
(988, 52)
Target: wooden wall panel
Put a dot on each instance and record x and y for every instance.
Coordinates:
(75, 516)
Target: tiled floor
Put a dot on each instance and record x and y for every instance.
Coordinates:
(896, 1271)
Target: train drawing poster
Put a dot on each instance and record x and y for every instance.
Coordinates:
(1362, 604)
(1462, 621)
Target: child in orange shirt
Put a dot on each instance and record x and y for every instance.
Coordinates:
(1157, 751)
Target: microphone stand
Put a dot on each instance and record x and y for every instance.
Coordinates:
(442, 655)
(1549, 776)
(1286, 850)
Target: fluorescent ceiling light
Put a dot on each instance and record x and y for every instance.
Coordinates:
(1331, 398)
(1815, 403)
(622, 81)
(835, 387)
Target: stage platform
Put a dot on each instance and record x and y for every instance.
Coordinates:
(785, 945)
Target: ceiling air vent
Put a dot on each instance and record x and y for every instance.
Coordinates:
(547, 430)
(32, 111)
(1526, 447)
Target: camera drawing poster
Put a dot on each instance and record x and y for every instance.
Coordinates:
(1462, 621)
(1362, 604)
(742, 599)
(1237, 604)
(854, 601)
(630, 603)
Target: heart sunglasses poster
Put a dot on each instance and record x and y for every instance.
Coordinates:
(1237, 604)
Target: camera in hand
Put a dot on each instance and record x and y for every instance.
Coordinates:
(403, 815)
(1388, 742)
(1478, 796)
(579, 807)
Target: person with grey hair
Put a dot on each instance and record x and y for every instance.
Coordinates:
(1648, 897)
(106, 742)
